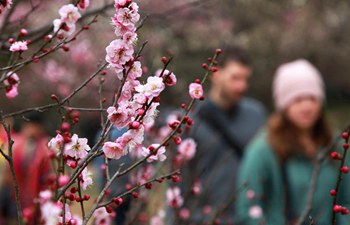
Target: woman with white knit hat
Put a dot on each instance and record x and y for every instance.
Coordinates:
(277, 166)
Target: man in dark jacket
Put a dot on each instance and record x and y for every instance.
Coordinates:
(223, 125)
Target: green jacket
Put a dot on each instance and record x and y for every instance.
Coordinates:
(261, 186)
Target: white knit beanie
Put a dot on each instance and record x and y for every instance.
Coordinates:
(296, 79)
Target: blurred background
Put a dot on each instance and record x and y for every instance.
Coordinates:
(272, 32)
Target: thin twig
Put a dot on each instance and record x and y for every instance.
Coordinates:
(96, 205)
(60, 103)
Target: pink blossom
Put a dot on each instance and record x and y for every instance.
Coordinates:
(127, 16)
(158, 219)
(114, 150)
(5, 4)
(164, 132)
(187, 149)
(119, 117)
(81, 52)
(255, 212)
(86, 179)
(83, 4)
(152, 88)
(135, 71)
(118, 53)
(120, 29)
(11, 85)
(77, 148)
(69, 14)
(63, 180)
(19, 46)
(64, 28)
(250, 194)
(126, 93)
(197, 187)
(102, 217)
(73, 219)
(130, 37)
(170, 78)
(120, 3)
(184, 213)
(53, 71)
(174, 197)
(132, 139)
(11, 91)
(196, 91)
(151, 114)
(139, 98)
(143, 175)
(50, 213)
(45, 196)
(159, 156)
(56, 144)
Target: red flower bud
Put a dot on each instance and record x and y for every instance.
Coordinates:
(118, 201)
(344, 211)
(335, 155)
(86, 197)
(337, 208)
(176, 178)
(205, 66)
(164, 59)
(345, 135)
(135, 194)
(109, 209)
(218, 51)
(333, 192)
(148, 186)
(345, 146)
(345, 169)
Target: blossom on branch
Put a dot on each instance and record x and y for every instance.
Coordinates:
(187, 149)
(174, 197)
(77, 148)
(56, 144)
(114, 150)
(69, 14)
(158, 155)
(19, 46)
(119, 52)
(5, 4)
(196, 91)
(11, 85)
(83, 4)
(86, 179)
(152, 88)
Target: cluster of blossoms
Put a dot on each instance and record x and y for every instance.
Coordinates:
(52, 212)
(65, 26)
(137, 106)
(11, 85)
(5, 4)
(19, 46)
(120, 50)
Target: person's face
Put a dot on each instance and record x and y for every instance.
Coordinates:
(232, 81)
(304, 111)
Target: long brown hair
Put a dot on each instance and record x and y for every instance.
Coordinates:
(283, 135)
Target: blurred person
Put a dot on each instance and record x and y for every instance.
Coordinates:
(31, 164)
(3, 162)
(223, 125)
(277, 167)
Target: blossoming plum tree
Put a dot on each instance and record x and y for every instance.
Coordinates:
(134, 109)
